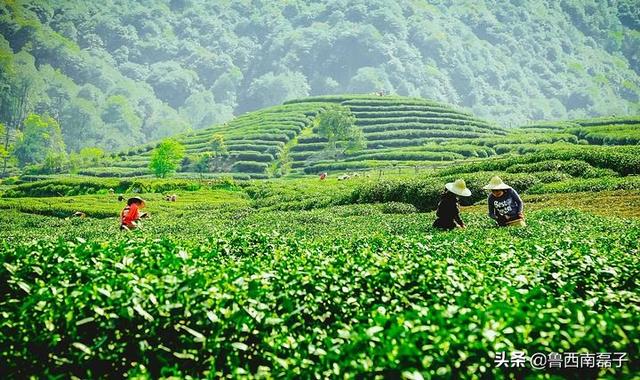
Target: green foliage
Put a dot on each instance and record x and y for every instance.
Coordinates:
(376, 287)
(40, 143)
(270, 88)
(574, 168)
(85, 158)
(193, 64)
(337, 125)
(588, 185)
(201, 162)
(424, 193)
(166, 158)
(71, 186)
(4, 151)
(218, 146)
(398, 208)
(249, 167)
(623, 160)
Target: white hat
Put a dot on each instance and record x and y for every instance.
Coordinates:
(458, 187)
(496, 184)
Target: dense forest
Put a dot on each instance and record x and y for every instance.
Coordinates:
(114, 74)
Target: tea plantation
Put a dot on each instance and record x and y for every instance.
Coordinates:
(398, 132)
(303, 278)
(260, 269)
(283, 140)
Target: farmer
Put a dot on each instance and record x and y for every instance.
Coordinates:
(131, 214)
(505, 205)
(448, 213)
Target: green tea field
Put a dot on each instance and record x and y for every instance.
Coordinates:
(310, 278)
(326, 189)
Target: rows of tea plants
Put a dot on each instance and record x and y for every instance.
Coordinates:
(396, 130)
(622, 130)
(624, 160)
(399, 131)
(328, 293)
(78, 185)
(553, 170)
(253, 141)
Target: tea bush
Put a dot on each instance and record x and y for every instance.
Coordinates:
(78, 186)
(333, 293)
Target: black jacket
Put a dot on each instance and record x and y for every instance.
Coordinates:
(448, 213)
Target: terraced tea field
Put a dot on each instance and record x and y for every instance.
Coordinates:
(251, 276)
(399, 132)
(598, 131)
(222, 284)
(254, 143)
(236, 279)
(282, 140)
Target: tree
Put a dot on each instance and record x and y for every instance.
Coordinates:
(271, 89)
(369, 79)
(202, 111)
(19, 82)
(166, 157)
(218, 146)
(119, 113)
(336, 123)
(81, 123)
(4, 152)
(88, 156)
(41, 140)
(172, 83)
(202, 162)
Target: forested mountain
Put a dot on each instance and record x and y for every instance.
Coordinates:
(119, 73)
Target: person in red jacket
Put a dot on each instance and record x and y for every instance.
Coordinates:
(131, 214)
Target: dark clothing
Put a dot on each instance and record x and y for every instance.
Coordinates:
(508, 207)
(448, 213)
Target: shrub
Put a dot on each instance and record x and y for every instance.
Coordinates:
(398, 208)
(574, 168)
(249, 167)
(588, 184)
(313, 147)
(252, 156)
(418, 133)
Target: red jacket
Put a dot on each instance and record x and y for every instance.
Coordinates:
(129, 215)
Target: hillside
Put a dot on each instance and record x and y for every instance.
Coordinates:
(282, 140)
(120, 73)
(598, 131)
(399, 132)
(318, 189)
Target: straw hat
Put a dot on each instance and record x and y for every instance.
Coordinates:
(458, 187)
(136, 200)
(496, 184)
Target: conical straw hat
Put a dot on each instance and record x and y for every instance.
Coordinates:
(136, 200)
(458, 187)
(496, 184)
